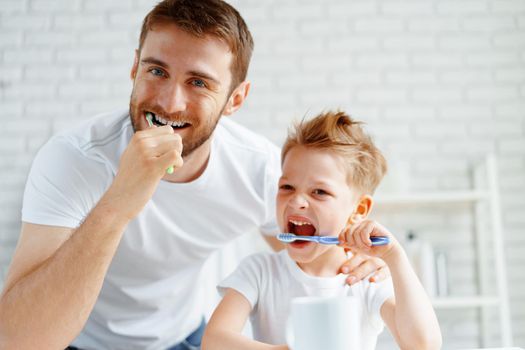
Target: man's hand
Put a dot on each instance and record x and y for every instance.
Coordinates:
(360, 266)
(142, 165)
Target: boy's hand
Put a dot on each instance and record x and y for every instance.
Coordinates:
(357, 239)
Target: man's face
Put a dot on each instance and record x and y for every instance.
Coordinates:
(183, 81)
(314, 199)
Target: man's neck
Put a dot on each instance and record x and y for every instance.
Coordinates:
(194, 165)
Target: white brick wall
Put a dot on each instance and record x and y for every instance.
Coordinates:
(440, 84)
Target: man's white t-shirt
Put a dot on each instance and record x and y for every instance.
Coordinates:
(270, 281)
(152, 294)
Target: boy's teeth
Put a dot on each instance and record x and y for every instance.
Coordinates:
(299, 223)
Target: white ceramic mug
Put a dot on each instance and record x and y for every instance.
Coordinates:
(319, 323)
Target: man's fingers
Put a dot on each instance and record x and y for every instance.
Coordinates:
(352, 263)
(366, 268)
(381, 274)
(165, 143)
(155, 131)
(171, 158)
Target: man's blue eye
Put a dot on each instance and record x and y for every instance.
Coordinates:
(198, 83)
(157, 72)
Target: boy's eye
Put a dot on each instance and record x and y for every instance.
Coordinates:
(285, 187)
(320, 192)
(198, 83)
(157, 72)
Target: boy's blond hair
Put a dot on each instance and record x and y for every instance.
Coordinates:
(339, 133)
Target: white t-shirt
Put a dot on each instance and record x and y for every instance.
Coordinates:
(152, 294)
(270, 281)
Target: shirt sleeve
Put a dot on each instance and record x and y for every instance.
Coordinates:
(377, 294)
(63, 185)
(246, 279)
(273, 172)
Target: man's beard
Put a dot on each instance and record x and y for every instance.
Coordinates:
(190, 142)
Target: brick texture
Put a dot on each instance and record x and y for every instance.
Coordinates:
(439, 84)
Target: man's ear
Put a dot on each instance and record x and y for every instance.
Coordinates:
(135, 67)
(237, 98)
(363, 208)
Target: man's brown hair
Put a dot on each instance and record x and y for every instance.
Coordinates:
(337, 132)
(207, 17)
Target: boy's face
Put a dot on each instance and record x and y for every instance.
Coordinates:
(314, 198)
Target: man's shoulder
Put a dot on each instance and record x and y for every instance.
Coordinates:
(239, 137)
(101, 138)
(97, 131)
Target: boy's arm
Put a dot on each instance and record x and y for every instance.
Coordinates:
(410, 317)
(223, 331)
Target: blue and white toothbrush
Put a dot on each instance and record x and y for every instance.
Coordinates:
(290, 237)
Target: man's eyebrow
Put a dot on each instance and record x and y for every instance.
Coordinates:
(204, 76)
(155, 61)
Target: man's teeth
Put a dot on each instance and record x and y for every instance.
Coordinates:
(300, 223)
(168, 122)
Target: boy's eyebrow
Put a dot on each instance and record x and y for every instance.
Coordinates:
(200, 74)
(322, 183)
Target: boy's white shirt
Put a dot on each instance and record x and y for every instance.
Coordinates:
(269, 281)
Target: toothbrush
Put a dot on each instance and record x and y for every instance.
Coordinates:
(290, 237)
(149, 118)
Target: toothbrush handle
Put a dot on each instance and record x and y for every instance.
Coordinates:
(328, 240)
(377, 240)
(380, 240)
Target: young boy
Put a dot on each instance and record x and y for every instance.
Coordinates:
(330, 169)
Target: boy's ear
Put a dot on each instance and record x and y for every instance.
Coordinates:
(237, 98)
(363, 208)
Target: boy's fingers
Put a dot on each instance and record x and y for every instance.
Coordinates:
(365, 234)
(361, 236)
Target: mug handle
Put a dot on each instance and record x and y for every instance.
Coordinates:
(290, 337)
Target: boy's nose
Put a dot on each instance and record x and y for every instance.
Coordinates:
(299, 202)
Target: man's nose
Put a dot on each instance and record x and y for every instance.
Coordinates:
(174, 100)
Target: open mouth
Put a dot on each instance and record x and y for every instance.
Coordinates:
(175, 124)
(301, 228)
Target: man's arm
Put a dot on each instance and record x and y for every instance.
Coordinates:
(54, 280)
(57, 273)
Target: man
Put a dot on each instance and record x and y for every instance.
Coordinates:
(112, 246)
